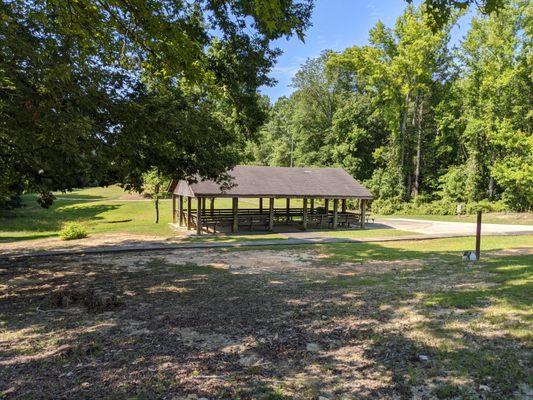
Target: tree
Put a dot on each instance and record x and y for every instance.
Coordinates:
(275, 145)
(415, 119)
(441, 11)
(496, 94)
(155, 184)
(75, 76)
(401, 69)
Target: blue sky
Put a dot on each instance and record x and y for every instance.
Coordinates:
(337, 24)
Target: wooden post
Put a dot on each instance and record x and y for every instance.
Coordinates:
(326, 206)
(343, 206)
(180, 210)
(363, 206)
(304, 217)
(335, 215)
(478, 236)
(189, 212)
(312, 206)
(204, 200)
(288, 209)
(201, 203)
(173, 208)
(260, 205)
(271, 214)
(235, 211)
(212, 205)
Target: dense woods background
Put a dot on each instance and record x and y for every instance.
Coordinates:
(94, 92)
(424, 124)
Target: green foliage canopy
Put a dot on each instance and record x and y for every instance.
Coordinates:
(104, 90)
(415, 119)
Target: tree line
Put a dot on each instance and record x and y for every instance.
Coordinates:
(95, 92)
(426, 125)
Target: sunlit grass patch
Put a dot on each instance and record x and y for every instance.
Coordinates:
(449, 249)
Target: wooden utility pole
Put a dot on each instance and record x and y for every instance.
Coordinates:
(478, 235)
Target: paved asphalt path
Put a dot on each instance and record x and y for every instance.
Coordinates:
(428, 227)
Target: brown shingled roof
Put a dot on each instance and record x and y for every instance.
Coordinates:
(259, 181)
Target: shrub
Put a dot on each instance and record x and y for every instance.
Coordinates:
(72, 230)
(452, 184)
(386, 206)
(440, 207)
(486, 206)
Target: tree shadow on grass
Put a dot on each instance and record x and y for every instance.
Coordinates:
(74, 196)
(190, 329)
(29, 236)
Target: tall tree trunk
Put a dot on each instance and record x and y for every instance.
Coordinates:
(156, 202)
(156, 208)
(403, 131)
(491, 178)
(416, 190)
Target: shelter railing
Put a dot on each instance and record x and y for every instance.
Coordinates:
(252, 217)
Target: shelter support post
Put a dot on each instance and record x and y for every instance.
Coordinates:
(343, 205)
(335, 214)
(260, 205)
(326, 206)
(189, 212)
(173, 208)
(271, 214)
(235, 212)
(180, 210)
(199, 209)
(363, 210)
(203, 205)
(304, 216)
(288, 210)
(312, 206)
(212, 205)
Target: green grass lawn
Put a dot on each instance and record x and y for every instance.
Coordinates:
(420, 249)
(447, 248)
(101, 210)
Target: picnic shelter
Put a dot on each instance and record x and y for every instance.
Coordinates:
(321, 190)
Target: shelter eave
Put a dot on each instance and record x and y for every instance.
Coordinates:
(276, 196)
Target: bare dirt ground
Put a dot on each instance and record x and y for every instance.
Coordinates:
(96, 240)
(273, 324)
